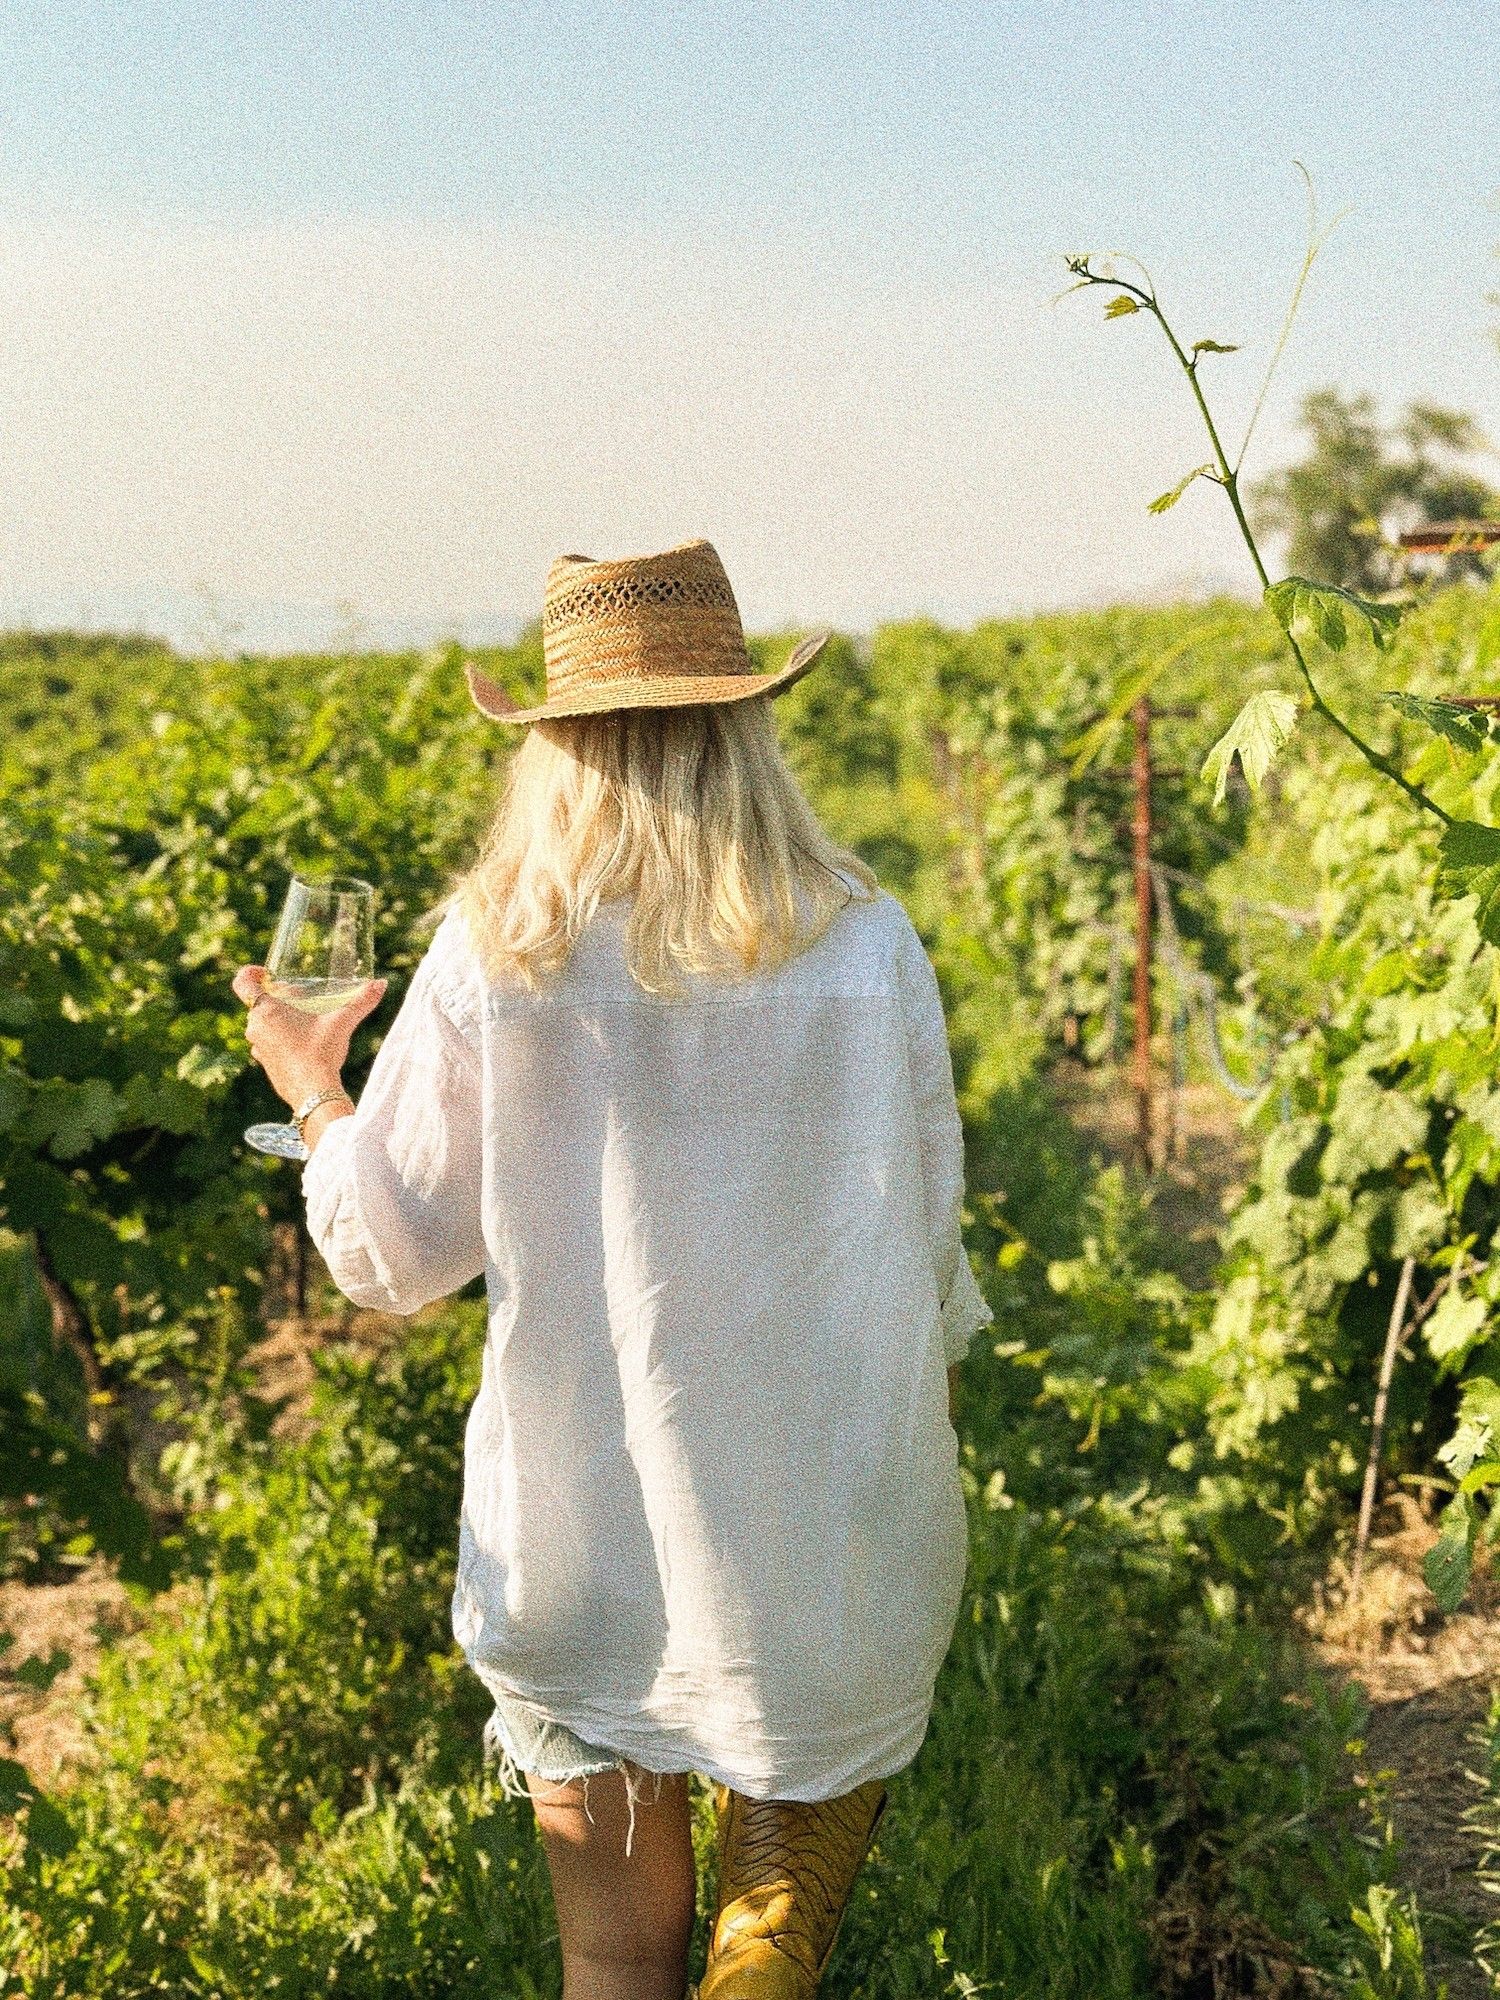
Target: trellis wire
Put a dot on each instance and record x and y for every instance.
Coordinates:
(1198, 988)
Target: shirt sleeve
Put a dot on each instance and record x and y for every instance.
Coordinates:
(963, 1306)
(393, 1193)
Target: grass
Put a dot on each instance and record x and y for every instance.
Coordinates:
(1131, 1775)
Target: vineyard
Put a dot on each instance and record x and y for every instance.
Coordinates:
(1146, 1771)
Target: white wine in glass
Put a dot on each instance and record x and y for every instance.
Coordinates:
(313, 996)
(320, 959)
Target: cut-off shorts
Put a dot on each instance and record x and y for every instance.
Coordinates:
(523, 1743)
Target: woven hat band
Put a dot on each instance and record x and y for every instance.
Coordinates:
(614, 590)
(657, 631)
(654, 641)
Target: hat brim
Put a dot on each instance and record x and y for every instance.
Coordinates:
(644, 690)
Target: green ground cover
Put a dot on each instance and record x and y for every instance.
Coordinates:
(1135, 1782)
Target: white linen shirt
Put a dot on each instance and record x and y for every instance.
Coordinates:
(712, 1517)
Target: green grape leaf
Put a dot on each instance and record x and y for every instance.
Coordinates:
(1121, 304)
(1216, 347)
(1447, 1563)
(1486, 1473)
(1469, 865)
(1478, 1428)
(323, 731)
(1170, 498)
(1446, 718)
(207, 1067)
(1370, 1129)
(1255, 736)
(165, 1102)
(1296, 604)
(1466, 1447)
(71, 1117)
(1346, 1254)
(1479, 1402)
(1454, 1326)
(1419, 1222)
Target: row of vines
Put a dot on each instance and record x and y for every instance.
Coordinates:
(1372, 1031)
(1142, 1802)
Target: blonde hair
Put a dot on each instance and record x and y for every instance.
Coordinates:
(692, 810)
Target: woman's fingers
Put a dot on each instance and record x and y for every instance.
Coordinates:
(247, 983)
(246, 986)
(333, 1031)
(355, 1010)
(299, 1052)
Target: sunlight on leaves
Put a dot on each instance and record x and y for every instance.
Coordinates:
(1478, 1426)
(1299, 605)
(1469, 865)
(1255, 736)
(1470, 731)
(1455, 1326)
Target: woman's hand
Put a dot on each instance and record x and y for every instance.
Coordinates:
(300, 1053)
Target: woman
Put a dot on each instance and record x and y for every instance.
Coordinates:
(673, 1075)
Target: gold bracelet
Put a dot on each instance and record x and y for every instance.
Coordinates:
(305, 1111)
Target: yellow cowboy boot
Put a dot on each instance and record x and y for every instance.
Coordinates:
(785, 1873)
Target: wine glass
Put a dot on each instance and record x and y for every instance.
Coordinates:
(320, 959)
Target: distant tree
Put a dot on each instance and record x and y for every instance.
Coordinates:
(1362, 483)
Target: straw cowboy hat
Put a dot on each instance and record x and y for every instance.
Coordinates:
(642, 632)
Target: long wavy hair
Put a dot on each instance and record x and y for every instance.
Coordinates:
(692, 811)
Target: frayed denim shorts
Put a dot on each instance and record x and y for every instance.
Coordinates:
(523, 1743)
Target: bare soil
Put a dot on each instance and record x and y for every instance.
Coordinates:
(1429, 1680)
(1201, 1155)
(55, 1633)
(51, 1634)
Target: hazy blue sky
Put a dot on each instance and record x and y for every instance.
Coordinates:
(387, 305)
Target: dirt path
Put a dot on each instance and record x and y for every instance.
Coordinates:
(1429, 1681)
(1204, 1160)
(51, 1634)
(50, 1637)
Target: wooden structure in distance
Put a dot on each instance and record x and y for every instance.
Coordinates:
(1448, 538)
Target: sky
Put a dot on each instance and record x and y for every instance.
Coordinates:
(349, 318)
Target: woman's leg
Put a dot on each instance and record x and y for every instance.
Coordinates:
(624, 1925)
